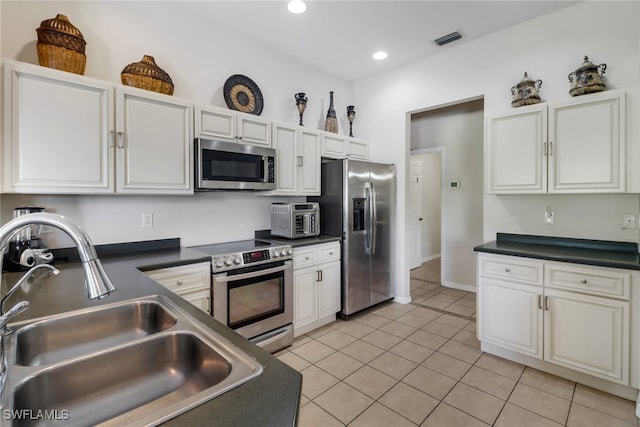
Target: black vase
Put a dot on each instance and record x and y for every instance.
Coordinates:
(331, 123)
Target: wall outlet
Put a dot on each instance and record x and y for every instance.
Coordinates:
(629, 221)
(147, 220)
(549, 216)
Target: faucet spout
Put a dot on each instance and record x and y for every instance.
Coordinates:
(97, 282)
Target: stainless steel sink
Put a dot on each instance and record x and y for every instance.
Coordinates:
(170, 364)
(50, 341)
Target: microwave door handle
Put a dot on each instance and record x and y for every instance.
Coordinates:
(265, 168)
(242, 276)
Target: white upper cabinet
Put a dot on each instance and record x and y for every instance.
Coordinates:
(575, 147)
(229, 125)
(336, 146)
(153, 140)
(515, 156)
(587, 144)
(56, 132)
(298, 160)
(60, 136)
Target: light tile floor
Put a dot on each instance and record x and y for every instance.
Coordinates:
(409, 365)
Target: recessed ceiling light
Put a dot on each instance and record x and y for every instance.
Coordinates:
(296, 6)
(380, 55)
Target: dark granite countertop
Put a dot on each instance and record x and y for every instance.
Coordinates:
(580, 251)
(296, 243)
(271, 399)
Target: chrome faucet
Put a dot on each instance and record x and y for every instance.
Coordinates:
(96, 280)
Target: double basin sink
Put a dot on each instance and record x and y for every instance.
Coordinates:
(138, 362)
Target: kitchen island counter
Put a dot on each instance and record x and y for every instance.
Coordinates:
(271, 399)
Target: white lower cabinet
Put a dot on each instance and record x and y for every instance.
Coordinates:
(511, 316)
(316, 286)
(578, 317)
(192, 282)
(589, 334)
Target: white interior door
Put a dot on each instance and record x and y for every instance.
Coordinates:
(416, 213)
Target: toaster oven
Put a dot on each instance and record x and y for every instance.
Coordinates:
(295, 220)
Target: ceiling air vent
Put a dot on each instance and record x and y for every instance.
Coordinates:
(448, 38)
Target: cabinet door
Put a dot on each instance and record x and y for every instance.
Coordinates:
(516, 159)
(154, 149)
(358, 149)
(511, 316)
(215, 123)
(200, 298)
(56, 132)
(589, 334)
(309, 143)
(333, 146)
(587, 144)
(305, 296)
(253, 130)
(329, 289)
(285, 141)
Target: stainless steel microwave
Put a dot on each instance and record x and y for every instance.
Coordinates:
(221, 165)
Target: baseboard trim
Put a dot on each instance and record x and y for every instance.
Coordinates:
(459, 286)
(402, 300)
(430, 258)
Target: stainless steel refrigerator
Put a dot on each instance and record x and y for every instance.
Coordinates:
(358, 204)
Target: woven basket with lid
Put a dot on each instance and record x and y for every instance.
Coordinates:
(61, 45)
(147, 75)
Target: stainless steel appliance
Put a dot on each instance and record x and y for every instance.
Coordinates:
(252, 287)
(26, 249)
(357, 204)
(295, 220)
(221, 165)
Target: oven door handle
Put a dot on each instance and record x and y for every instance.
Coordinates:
(222, 279)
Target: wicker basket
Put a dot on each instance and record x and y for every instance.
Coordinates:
(61, 45)
(147, 75)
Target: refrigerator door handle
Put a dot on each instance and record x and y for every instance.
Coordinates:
(367, 220)
(374, 219)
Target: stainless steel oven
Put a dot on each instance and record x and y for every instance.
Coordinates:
(253, 290)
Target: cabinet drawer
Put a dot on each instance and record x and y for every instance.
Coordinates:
(183, 277)
(511, 268)
(304, 257)
(602, 281)
(328, 252)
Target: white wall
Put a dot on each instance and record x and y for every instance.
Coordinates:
(199, 57)
(548, 48)
(458, 129)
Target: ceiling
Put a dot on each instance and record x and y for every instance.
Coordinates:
(340, 36)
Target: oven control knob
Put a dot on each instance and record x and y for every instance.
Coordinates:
(289, 251)
(237, 260)
(228, 262)
(276, 253)
(219, 263)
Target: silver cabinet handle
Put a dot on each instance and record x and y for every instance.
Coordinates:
(544, 149)
(111, 139)
(321, 275)
(507, 269)
(546, 303)
(299, 161)
(179, 282)
(317, 275)
(550, 148)
(583, 281)
(540, 302)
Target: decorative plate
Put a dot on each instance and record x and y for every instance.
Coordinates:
(242, 94)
